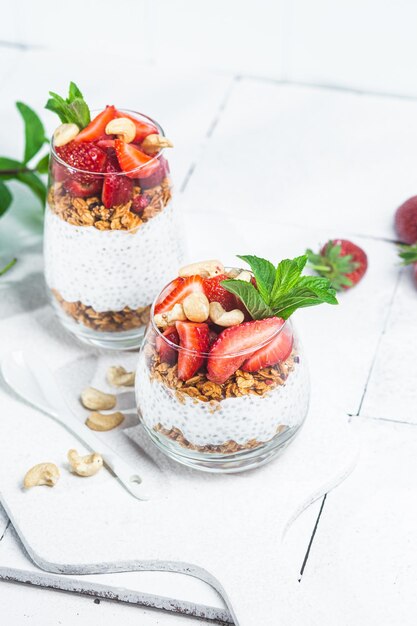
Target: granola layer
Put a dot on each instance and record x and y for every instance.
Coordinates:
(107, 321)
(229, 447)
(239, 384)
(91, 212)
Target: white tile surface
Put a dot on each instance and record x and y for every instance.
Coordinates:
(392, 389)
(309, 157)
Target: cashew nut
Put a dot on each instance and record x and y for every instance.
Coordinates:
(102, 422)
(119, 377)
(196, 307)
(85, 465)
(225, 318)
(123, 127)
(41, 474)
(176, 314)
(96, 400)
(207, 269)
(154, 142)
(65, 133)
(244, 275)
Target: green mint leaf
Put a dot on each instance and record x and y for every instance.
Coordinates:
(264, 272)
(35, 184)
(73, 110)
(408, 254)
(309, 291)
(34, 131)
(250, 297)
(7, 267)
(42, 166)
(287, 275)
(5, 198)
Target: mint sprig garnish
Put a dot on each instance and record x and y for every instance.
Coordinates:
(280, 291)
(408, 254)
(71, 110)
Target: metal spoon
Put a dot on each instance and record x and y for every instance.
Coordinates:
(33, 381)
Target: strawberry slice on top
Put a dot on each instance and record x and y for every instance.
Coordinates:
(183, 288)
(275, 351)
(194, 345)
(225, 358)
(143, 129)
(134, 162)
(167, 352)
(83, 156)
(216, 293)
(96, 129)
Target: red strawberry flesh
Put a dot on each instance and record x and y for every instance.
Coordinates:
(143, 129)
(182, 289)
(83, 189)
(96, 129)
(358, 256)
(167, 352)
(83, 156)
(275, 351)
(216, 293)
(117, 188)
(132, 161)
(194, 345)
(225, 358)
(406, 221)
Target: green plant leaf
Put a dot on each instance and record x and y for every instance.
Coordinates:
(6, 268)
(73, 110)
(309, 291)
(287, 274)
(74, 92)
(42, 166)
(5, 198)
(264, 272)
(34, 131)
(31, 180)
(250, 297)
(7, 164)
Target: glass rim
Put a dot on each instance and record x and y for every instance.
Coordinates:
(77, 170)
(229, 355)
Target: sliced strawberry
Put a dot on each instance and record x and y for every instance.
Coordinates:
(117, 189)
(237, 339)
(83, 156)
(183, 288)
(131, 159)
(83, 189)
(216, 293)
(278, 349)
(194, 339)
(104, 144)
(96, 129)
(148, 180)
(167, 353)
(143, 129)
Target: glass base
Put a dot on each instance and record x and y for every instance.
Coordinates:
(123, 340)
(225, 463)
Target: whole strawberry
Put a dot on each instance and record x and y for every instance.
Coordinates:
(341, 261)
(408, 254)
(406, 221)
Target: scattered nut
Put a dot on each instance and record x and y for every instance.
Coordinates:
(64, 134)
(176, 314)
(41, 474)
(196, 307)
(207, 269)
(123, 127)
(96, 400)
(225, 318)
(119, 377)
(244, 275)
(154, 142)
(102, 422)
(85, 465)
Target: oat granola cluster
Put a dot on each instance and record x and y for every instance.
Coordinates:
(107, 321)
(91, 211)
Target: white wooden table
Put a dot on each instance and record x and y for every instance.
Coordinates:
(254, 158)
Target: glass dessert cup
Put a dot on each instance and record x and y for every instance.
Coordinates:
(106, 256)
(230, 427)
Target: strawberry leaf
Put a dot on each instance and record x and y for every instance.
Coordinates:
(408, 254)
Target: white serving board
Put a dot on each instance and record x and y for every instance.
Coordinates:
(225, 530)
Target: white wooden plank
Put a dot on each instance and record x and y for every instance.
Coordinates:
(392, 391)
(362, 567)
(310, 157)
(340, 342)
(359, 43)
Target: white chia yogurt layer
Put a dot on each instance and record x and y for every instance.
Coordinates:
(113, 269)
(239, 419)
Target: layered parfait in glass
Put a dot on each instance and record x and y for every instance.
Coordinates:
(111, 236)
(222, 383)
